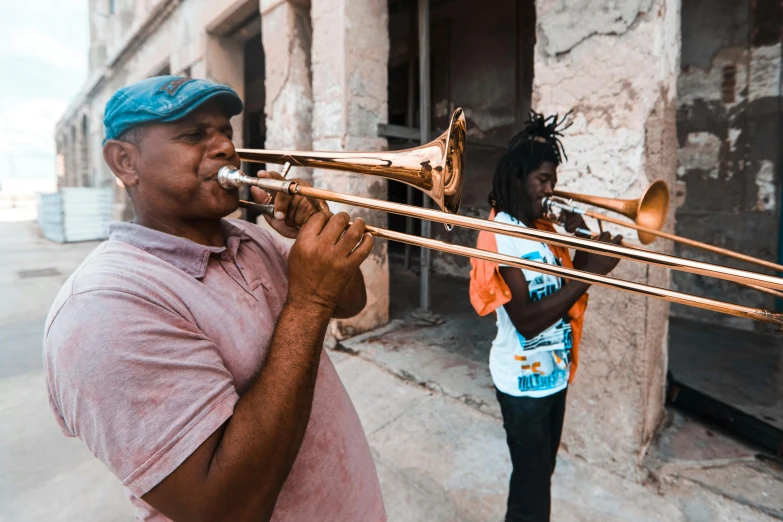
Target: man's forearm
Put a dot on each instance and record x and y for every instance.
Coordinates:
(261, 441)
(537, 316)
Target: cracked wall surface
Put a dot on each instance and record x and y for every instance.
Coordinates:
(287, 37)
(565, 24)
(615, 65)
(349, 74)
(728, 123)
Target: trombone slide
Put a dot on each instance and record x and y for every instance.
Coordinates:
(550, 203)
(568, 273)
(231, 180)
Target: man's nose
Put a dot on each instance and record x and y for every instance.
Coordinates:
(223, 147)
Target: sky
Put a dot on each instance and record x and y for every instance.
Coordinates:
(44, 46)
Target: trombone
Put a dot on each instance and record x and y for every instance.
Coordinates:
(648, 215)
(437, 168)
(434, 168)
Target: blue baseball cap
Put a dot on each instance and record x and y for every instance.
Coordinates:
(163, 99)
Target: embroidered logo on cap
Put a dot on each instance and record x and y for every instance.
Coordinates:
(173, 86)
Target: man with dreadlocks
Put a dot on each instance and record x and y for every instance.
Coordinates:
(539, 317)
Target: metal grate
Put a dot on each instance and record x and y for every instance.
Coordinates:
(39, 272)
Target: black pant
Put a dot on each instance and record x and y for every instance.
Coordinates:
(533, 429)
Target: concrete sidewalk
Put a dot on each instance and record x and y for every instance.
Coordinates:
(444, 435)
(441, 460)
(428, 412)
(43, 475)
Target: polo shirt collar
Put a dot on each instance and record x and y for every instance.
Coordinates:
(189, 256)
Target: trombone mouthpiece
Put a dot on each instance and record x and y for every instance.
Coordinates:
(230, 177)
(552, 204)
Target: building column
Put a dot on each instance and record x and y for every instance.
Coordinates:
(349, 69)
(615, 65)
(84, 152)
(65, 163)
(287, 37)
(73, 160)
(224, 63)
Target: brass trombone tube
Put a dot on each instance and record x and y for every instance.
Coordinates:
(436, 168)
(655, 258)
(763, 289)
(578, 275)
(587, 277)
(685, 241)
(622, 207)
(769, 291)
(648, 210)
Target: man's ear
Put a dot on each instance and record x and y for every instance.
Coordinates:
(121, 158)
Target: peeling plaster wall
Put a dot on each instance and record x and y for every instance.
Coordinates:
(615, 65)
(287, 35)
(349, 55)
(728, 124)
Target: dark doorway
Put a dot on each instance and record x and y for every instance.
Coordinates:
(254, 131)
(481, 59)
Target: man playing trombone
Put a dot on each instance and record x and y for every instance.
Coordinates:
(186, 351)
(539, 316)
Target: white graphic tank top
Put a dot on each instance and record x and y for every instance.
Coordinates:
(539, 366)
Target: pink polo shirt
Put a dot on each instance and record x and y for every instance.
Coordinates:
(153, 340)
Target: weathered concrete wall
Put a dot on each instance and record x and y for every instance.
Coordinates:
(615, 64)
(728, 124)
(349, 54)
(287, 35)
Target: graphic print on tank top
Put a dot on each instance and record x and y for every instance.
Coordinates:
(553, 344)
(538, 366)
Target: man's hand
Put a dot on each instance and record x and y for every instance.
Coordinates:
(599, 264)
(325, 258)
(572, 221)
(291, 212)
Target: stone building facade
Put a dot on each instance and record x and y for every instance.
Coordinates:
(728, 122)
(343, 75)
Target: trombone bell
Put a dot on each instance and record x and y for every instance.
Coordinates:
(649, 210)
(436, 168)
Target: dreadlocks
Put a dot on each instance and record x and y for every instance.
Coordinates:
(537, 142)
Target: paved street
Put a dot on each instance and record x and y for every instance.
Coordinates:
(438, 445)
(43, 475)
